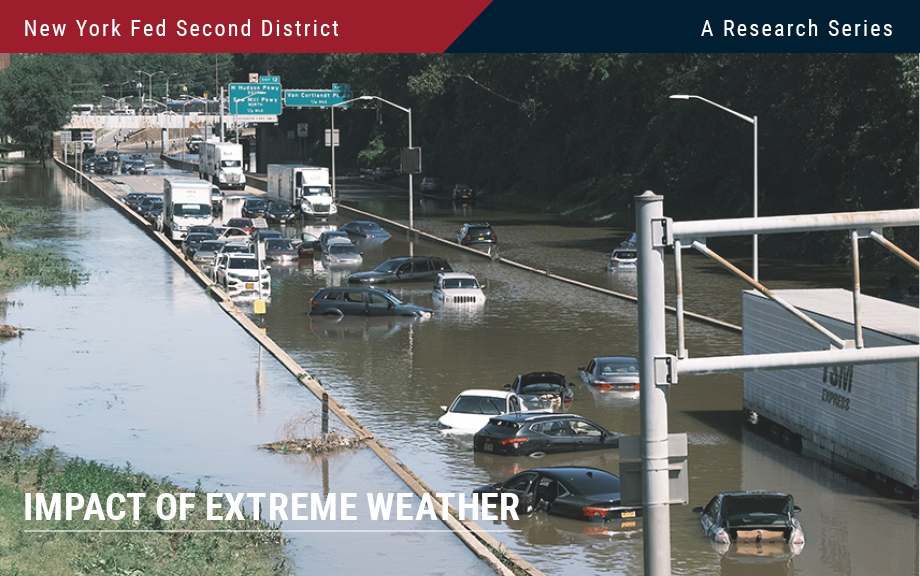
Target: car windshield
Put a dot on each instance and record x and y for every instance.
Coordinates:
(244, 263)
(388, 266)
(460, 283)
(478, 405)
(242, 248)
(280, 206)
(594, 482)
(342, 249)
(255, 204)
(237, 223)
(210, 246)
(230, 164)
(619, 367)
(278, 244)
(192, 209)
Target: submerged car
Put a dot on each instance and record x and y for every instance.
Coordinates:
(539, 388)
(473, 409)
(403, 269)
(280, 250)
(254, 208)
(476, 233)
(573, 492)
(240, 274)
(134, 199)
(279, 212)
(207, 252)
(342, 251)
(457, 288)
(341, 301)
(611, 373)
(541, 434)
(365, 229)
(463, 193)
(757, 522)
(622, 258)
(384, 173)
(242, 223)
(327, 235)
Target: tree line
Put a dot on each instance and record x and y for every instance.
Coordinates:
(582, 134)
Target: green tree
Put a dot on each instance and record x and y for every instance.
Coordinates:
(34, 102)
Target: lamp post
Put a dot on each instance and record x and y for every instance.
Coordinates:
(754, 122)
(407, 111)
(236, 112)
(150, 76)
(168, 76)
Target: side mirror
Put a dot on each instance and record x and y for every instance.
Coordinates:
(582, 369)
(444, 409)
(507, 386)
(796, 508)
(698, 510)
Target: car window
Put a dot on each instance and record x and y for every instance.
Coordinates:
(422, 266)
(557, 429)
(376, 300)
(586, 429)
(521, 482)
(353, 297)
(478, 405)
(405, 268)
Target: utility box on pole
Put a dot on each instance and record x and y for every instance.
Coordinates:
(631, 470)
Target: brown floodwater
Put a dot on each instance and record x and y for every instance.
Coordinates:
(140, 366)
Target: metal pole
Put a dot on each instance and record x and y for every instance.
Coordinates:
(332, 146)
(679, 304)
(652, 398)
(756, 199)
(411, 192)
(857, 320)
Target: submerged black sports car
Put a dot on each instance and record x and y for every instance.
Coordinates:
(571, 492)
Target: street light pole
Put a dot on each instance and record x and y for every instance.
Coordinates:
(168, 76)
(756, 195)
(150, 76)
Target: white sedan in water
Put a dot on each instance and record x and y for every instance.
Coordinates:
(472, 410)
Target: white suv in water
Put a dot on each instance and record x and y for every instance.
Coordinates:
(239, 273)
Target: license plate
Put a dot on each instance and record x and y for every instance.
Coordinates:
(250, 286)
(487, 447)
(631, 514)
(628, 524)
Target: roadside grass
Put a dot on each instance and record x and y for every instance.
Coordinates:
(177, 548)
(22, 265)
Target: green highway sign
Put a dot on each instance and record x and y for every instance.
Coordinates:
(252, 98)
(270, 79)
(316, 98)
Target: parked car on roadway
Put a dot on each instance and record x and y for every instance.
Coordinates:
(757, 522)
(404, 269)
(233, 235)
(263, 234)
(134, 199)
(463, 193)
(611, 373)
(538, 388)
(457, 288)
(241, 273)
(135, 166)
(473, 409)
(279, 212)
(573, 492)
(193, 144)
(342, 301)
(153, 213)
(384, 173)
(241, 223)
(476, 233)
(207, 252)
(104, 166)
(236, 248)
(192, 241)
(90, 162)
(341, 251)
(307, 246)
(365, 229)
(254, 208)
(526, 434)
(431, 186)
(149, 203)
(280, 250)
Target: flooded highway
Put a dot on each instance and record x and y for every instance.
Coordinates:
(140, 366)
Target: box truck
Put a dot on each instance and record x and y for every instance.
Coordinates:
(186, 202)
(859, 418)
(222, 164)
(307, 188)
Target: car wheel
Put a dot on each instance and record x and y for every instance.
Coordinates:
(537, 454)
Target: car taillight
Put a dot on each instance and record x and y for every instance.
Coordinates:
(494, 236)
(514, 441)
(594, 511)
(603, 385)
(466, 238)
(313, 304)
(636, 386)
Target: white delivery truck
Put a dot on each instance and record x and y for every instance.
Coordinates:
(860, 418)
(222, 164)
(307, 188)
(186, 202)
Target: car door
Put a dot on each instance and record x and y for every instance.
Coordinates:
(523, 485)
(587, 436)
(557, 437)
(376, 304)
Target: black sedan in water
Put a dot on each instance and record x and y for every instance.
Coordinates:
(524, 434)
(571, 492)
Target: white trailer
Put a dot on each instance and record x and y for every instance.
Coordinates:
(307, 188)
(222, 164)
(858, 417)
(186, 202)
